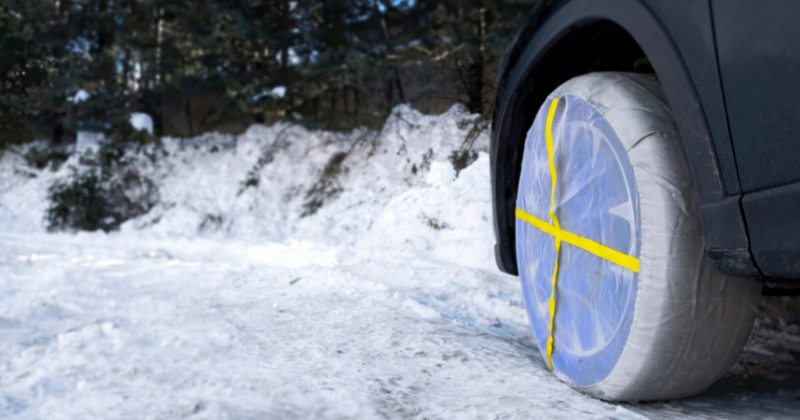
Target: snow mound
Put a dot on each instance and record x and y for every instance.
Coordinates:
(396, 189)
(141, 122)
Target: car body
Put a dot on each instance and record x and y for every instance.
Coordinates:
(731, 72)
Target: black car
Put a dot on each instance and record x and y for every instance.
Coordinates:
(646, 184)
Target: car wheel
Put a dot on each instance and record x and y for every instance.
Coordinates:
(622, 298)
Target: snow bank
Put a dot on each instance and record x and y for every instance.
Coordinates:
(392, 189)
(23, 194)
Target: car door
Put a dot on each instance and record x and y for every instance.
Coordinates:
(758, 46)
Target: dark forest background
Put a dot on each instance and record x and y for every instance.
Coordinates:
(202, 65)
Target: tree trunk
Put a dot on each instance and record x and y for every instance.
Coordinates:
(126, 69)
(400, 89)
(475, 69)
(284, 30)
(346, 105)
(475, 89)
(188, 109)
(159, 35)
(58, 133)
(388, 94)
(388, 36)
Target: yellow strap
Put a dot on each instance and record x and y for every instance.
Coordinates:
(555, 230)
(556, 227)
(585, 244)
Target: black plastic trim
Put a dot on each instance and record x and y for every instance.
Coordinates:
(774, 219)
(772, 289)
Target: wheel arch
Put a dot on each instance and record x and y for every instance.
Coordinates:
(564, 39)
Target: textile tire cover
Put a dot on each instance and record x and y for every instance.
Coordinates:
(640, 312)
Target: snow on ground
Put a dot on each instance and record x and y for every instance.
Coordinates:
(224, 303)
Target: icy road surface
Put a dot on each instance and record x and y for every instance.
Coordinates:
(384, 304)
(100, 327)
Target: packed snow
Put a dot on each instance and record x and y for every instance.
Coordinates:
(141, 122)
(288, 273)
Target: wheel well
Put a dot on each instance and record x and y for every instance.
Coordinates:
(590, 47)
(594, 46)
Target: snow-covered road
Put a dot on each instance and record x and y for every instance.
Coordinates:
(110, 327)
(384, 304)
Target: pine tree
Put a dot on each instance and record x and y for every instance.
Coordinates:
(31, 51)
(339, 62)
(466, 38)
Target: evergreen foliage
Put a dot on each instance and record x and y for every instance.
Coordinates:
(99, 200)
(192, 64)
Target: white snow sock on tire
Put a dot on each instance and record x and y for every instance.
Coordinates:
(607, 216)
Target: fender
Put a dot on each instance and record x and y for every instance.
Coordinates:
(559, 41)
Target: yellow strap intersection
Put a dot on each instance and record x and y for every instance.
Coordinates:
(555, 230)
(585, 244)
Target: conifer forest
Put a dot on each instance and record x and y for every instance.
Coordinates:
(220, 65)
